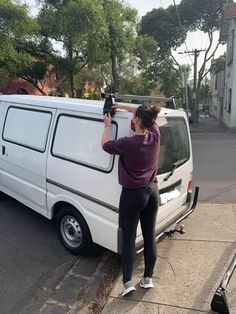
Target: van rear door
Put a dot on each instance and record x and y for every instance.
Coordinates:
(175, 165)
(23, 153)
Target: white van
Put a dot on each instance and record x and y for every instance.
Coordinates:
(51, 160)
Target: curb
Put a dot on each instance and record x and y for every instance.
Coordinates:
(110, 271)
(85, 288)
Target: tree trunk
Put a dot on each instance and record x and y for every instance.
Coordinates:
(31, 81)
(72, 84)
(71, 70)
(115, 72)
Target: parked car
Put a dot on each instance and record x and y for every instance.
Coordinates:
(51, 160)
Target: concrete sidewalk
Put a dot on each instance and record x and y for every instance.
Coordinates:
(189, 267)
(209, 125)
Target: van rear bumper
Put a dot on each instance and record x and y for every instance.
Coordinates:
(188, 208)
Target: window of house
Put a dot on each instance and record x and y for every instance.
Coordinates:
(22, 91)
(229, 100)
(231, 47)
(216, 81)
(78, 139)
(28, 128)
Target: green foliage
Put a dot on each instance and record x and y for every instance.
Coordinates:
(72, 33)
(100, 40)
(4, 77)
(121, 21)
(137, 85)
(17, 32)
(169, 27)
(15, 27)
(205, 90)
(15, 22)
(170, 84)
(36, 71)
(204, 15)
(145, 50)
(164, 25)
(218, 65)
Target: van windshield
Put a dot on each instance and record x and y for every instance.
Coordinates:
(174, 143)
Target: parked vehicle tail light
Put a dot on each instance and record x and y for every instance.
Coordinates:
(190, 187)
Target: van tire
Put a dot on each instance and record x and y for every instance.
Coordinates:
(73, 231)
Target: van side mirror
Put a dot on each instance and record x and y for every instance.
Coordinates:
(109, 100)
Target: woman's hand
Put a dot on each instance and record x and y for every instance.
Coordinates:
(107, 119)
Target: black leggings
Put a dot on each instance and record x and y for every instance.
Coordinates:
(138, 204)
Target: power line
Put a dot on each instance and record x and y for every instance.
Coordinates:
(177, 12)
(176, 8)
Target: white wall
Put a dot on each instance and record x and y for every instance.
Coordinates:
(230, 118)
(217, 93)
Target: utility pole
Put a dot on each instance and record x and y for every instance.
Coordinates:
(195, 104)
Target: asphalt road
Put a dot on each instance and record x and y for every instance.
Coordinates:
(31, 257)
(214, 166)
(33, 261)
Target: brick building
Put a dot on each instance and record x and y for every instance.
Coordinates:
(20, 86)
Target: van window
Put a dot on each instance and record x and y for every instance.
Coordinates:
(28, 128)
(78, 139)
(174, 143)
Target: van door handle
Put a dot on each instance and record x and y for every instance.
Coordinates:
(3, 150)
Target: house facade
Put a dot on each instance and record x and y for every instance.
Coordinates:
(228, 33)
(217, 91)
(21, 86)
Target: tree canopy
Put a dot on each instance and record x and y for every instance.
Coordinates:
(71, 34)
(17, 32)
(170, 27)
(103, 41)
(15, 27)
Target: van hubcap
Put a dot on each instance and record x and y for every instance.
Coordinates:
(71, 231)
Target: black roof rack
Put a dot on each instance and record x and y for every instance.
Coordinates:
(110, 98)
(136, 99)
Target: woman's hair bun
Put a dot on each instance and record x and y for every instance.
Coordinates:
(148, 115)
(155, 110)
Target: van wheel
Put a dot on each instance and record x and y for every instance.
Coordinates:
(73, 230)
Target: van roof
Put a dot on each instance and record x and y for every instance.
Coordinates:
(74, 104)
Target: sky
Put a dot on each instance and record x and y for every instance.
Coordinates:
(196, 40)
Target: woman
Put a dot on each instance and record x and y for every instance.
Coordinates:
(139, 198)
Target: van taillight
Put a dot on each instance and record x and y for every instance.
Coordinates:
(190, 186)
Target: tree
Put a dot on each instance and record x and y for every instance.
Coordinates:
(4, 77)
(72, 35)
(205, 92)
(121, 21)
(138, 85)
(17, 30)
(219, 64)
(169, 27)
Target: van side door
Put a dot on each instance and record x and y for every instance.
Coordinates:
(23, 153)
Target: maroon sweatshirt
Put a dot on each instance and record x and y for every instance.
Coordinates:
(138, 157)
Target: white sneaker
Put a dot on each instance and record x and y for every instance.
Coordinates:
(146, 283)
(129, 289)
